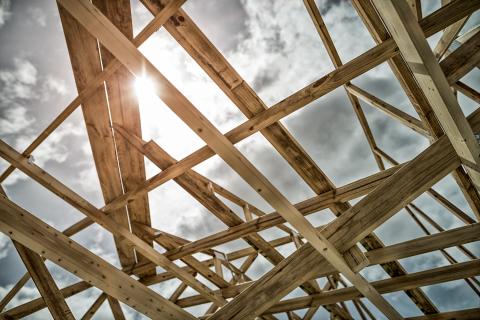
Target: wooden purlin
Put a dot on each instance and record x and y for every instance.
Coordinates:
(86, 65)
(124, 109)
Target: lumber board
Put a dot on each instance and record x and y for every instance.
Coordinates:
(124, 109)
(86, 65)
(44, 282)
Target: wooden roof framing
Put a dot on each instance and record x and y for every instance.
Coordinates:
(105, 60)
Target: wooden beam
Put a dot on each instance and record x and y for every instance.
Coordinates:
(416, 6)
(462, 60)
(123, 106)
(416, 51)
(44, 282)
(94, 307)
(31, 232)
(406, 119)
(117, 311)
(86, 65)
(35, 305)
(435, 195)
(337, 62)
(19, 285)
(467, 91)
(447, 37)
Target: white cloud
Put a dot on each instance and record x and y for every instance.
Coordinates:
(4, 245)
(15, 120)
(4, 11)
(38, 15)
(56, 85)
(17, 83)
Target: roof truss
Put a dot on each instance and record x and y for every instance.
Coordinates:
(105, 59)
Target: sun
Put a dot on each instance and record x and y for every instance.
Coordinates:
(144, 90)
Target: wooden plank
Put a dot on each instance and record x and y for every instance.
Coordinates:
(462, 60)
(28, 230)
(124, 109)
(98, 216)
(447, 37)
(406, 119)
(94, 307)
(116, 308)
(405, 185)
(44, 282)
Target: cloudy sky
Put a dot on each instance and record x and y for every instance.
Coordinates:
(275, 48)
